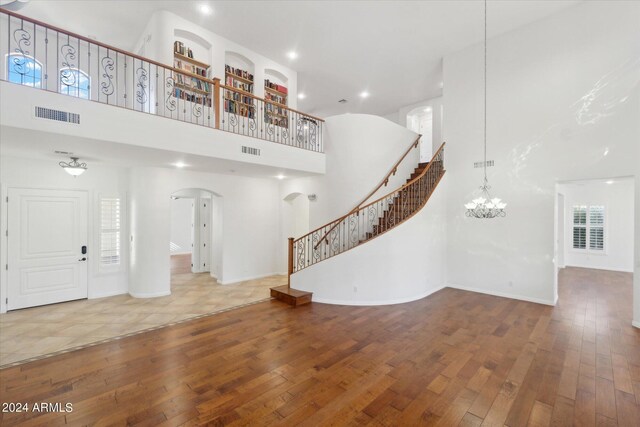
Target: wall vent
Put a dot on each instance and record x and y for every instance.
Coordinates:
(57, 115)
(251, 150)
(481, 164)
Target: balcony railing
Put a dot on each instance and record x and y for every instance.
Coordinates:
(44, 57)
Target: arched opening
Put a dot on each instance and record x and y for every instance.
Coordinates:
(196, 236)
(295, 219)
(420, 120)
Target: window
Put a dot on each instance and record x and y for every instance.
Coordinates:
(110, 215)
(74, 82)
(588, 227)
(24, 70)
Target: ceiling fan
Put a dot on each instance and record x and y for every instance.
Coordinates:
(13, 4)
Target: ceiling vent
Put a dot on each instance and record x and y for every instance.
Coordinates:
(64, 153)
(481, 164)
(57, 115)
(251, 150)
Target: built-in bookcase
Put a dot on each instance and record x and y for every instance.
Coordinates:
(190, 88)
(237, 102)
(274, 113)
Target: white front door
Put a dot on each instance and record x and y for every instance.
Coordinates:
(47, 233)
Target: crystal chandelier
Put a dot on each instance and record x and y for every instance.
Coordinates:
(485, 206)
(74, 167)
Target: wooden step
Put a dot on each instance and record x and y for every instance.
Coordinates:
(291, 296)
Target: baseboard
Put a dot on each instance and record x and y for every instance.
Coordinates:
(636, 323)
(619, 270)
(150, 295)
(374, 303)
(503, 294)
(244, 279)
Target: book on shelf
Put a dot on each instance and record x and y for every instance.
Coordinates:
(275, 86)
(231, 106)
(179, 47)
(192, 97)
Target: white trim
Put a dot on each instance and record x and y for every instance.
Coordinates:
(150, 294)
(244, 279)
(180, 253)
(4, 241)
(622, 270)
(374, 303)
(503, 294)
(635, 323)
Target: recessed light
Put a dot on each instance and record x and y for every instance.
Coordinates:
(280, 176)
(426, 110)
(179, 165)
(205, 9)
(610, 182)
(441, 85)
(292, 54)
(364, 94)
(606, 151)
(301, 95)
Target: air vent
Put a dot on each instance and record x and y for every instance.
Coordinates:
(57, 115)
(251, 150)
(65, 153)
(481, 164)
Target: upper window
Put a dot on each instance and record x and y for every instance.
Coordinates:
(74, 82)
(24, 70)
(588, 228)
(110, 216)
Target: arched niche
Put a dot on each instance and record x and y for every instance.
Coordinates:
(276, 76)
(236, 60)
(201, 48)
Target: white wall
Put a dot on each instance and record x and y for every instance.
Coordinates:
(181, 225)
(403, 265)
(400, 117)
(145, 130)
(563, 104)
(361, 149)
(249, 209)
(99, 180)
(162, 26)
(617, 199)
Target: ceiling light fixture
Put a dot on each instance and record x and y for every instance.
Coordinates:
(610, 182)
(74, 168)
(205, 9)
(364, 94)
(426, 110)
(485, 206)
(292, 54)
(179, 165)
(301, 95)
(280, 176)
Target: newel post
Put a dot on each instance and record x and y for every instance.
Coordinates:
(216, 100)
(290, 266)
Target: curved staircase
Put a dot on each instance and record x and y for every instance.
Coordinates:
(363, 223)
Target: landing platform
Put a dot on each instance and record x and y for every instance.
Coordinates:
(292, 297)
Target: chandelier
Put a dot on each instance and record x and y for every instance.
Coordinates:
(485, 206)
(74, 167)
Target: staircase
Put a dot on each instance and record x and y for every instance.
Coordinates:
(363, 223)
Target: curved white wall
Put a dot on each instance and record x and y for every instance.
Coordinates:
(360, 150)
(404, 264)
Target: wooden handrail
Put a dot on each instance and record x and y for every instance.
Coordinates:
(423, 173)
(213, 81)
(384, 181)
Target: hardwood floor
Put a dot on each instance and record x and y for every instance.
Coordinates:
(454, 358)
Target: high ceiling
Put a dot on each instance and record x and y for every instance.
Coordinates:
(391, 49)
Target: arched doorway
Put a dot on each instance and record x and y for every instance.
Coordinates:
(196, 233)
(295, 220)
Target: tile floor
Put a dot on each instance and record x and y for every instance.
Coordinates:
(35, 332)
